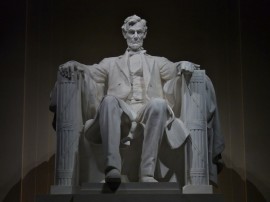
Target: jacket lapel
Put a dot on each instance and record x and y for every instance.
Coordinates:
(147, 64)
(122, 65)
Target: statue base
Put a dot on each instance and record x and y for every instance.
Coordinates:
(57, 189)
(131, 192)
(197, 189)
(123, 188)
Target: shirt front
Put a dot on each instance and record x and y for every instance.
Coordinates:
(136, 98)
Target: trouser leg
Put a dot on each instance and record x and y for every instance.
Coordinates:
(155, 117)
(110, 129)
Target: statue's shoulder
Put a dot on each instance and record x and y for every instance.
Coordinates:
(157, 58)
(109, 59)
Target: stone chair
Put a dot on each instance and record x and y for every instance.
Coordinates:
(75, 100)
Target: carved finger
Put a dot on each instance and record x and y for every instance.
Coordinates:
(66, 73)
(70, 72)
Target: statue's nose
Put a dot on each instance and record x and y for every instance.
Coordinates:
(135, 35)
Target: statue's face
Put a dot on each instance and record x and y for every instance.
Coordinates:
(135, 36)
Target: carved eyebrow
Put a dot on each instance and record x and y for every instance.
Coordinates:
(132, 31)
(138, 30)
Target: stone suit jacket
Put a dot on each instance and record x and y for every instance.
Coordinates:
(111, 76)
(113, 73)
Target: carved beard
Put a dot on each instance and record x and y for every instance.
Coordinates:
(135, 45)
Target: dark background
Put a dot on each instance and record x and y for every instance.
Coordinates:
(228, 38)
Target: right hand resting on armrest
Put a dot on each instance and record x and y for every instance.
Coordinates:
(67, 69)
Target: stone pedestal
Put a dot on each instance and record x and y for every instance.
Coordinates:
(198, 189)
(130, 192)
(64, 190)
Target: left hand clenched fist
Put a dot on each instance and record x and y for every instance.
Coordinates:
(186, 67)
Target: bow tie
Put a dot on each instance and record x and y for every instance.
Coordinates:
(131, 53)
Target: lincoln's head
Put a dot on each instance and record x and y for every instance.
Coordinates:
(134, 30)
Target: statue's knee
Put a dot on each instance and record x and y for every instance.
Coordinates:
(158, 104)
(109, 99)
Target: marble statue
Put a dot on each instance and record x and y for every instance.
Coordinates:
(135, 96)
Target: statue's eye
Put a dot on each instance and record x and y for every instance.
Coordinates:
(131, 32)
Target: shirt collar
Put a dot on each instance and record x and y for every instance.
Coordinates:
(131, 52)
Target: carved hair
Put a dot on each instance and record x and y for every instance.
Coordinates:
(132, 20)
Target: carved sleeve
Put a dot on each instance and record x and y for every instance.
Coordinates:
(167, 69)
(98, 72)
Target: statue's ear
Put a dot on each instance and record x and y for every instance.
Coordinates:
(145, 33)
(124, 34)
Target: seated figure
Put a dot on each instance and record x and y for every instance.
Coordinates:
(138, 98)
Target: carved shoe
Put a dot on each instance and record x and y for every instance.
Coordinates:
(147, 179)
(113, 176)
